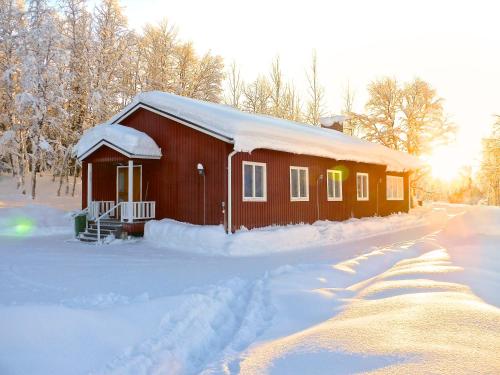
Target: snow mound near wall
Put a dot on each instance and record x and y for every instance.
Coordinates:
(34, 220)
(212, 240)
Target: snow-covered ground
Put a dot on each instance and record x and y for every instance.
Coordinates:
(420, 297)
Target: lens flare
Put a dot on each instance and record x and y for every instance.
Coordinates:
(21, 226)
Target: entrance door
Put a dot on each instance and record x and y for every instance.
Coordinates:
(122, 184)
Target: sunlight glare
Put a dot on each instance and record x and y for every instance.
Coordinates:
(446, 162)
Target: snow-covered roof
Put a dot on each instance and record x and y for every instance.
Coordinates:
(252, 131)
(124, 139)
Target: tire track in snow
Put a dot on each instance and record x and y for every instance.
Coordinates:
(206, 327)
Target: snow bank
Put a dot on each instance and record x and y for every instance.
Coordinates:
(251, 131)
(34, 220)
(213, 240)
(126, 138)
(477, 220)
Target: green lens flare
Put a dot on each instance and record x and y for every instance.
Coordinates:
(22, 226)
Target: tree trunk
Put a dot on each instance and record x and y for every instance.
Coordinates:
(75, 174)
(33, 179)
(61, 173)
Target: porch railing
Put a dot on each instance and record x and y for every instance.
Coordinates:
(97, 208)
(139, 210)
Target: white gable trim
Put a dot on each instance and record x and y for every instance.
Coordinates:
(127, 112)
(117, 149)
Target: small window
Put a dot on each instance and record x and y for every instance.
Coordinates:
(362, 186)
(334, 184)
(254, 181)
(299, 184)
(395, 188)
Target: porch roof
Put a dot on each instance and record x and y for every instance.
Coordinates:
(128, 141)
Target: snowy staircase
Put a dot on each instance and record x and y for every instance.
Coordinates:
(109, 227)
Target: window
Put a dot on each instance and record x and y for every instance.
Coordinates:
(254, 181)
(362, 186)
(395, 188)
(334, 184)
(299, 184)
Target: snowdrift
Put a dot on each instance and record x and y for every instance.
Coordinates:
(477, 220)
(212, 240)
(34, 220)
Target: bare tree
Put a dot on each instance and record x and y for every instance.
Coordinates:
(235, 87)
(315, 106)
(351, 126)
(257, 95)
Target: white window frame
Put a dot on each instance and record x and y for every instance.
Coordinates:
(299, 198)
(264, 181)
(400, 188)
(362, 198)
(331, 197)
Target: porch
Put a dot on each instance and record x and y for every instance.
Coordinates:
(117, 163)
(124, 215)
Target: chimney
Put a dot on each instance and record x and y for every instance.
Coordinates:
(333, 122)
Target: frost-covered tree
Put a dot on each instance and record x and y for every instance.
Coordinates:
(43, 90)
(382, 109)
(198, 77)
(111, 44)
(423, 124)
(490, 165)
(11, 24)
(158, 56)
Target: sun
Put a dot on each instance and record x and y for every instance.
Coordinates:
(446, 162)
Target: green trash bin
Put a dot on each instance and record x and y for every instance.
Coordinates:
(80, 223)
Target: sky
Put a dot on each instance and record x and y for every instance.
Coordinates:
(454, 45)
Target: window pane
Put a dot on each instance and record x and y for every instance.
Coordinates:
(337, 187)
(303, 183)
(121, 182)
(330, 184)
(365, 186)
(259, 181)
(294, 183)
(248, 180)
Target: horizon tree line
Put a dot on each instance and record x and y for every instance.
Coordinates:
(65, 68)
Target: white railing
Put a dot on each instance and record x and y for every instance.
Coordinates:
(104, 215)
(97, 208)
(129, 212)
(138, 210)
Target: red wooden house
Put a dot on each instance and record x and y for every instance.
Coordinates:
(166, 156)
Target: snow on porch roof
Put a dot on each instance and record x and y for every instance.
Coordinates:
(126, 140)
(251, 131)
